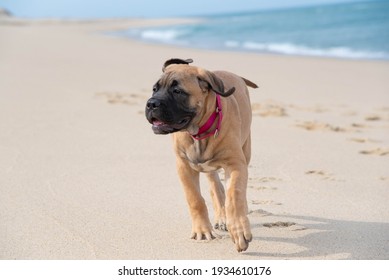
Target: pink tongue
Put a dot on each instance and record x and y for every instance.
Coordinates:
(158, 123)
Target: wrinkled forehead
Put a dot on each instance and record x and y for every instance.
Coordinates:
(183, 75)
(181, 68)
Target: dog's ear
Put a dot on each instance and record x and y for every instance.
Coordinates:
(209, 81)
(176, 61)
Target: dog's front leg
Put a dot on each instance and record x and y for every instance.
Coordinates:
(236, 207)
(201, 226)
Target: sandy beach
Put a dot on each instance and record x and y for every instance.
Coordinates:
(82, 176)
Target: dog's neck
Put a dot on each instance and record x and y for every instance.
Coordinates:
(215, 117)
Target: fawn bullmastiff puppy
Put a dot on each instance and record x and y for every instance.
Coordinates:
(209, 114)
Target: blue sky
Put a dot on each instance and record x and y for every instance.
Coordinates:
(144, 8)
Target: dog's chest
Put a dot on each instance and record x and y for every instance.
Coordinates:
(200, 160)
(203, 167)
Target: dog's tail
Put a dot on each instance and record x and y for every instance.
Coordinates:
(249, 83)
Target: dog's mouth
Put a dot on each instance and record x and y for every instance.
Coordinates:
(162, 127)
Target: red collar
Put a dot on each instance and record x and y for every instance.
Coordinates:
(210, 122)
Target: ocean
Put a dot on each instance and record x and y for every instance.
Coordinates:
(350, 31)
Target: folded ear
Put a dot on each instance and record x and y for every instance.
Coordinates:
(209, 81)
(176, 61)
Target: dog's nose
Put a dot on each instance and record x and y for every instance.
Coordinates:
(153, 104)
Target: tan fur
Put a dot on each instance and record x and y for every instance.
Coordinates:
(230, 150)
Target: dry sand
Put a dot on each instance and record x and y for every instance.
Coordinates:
(82, 176)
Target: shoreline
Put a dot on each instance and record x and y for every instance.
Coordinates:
(121, 24)
(183, 36)
(82, 176)
(260, 53)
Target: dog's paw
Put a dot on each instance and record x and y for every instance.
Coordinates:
(208, 235)
(221, 224)
(220, 220)
(203, 232)
(239, 229)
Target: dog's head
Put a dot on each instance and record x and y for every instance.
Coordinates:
(179, 96)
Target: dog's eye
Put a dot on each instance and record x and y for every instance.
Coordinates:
(177, 91)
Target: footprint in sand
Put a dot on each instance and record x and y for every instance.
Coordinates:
(315, 172)
(265, 202)
(279, 224)
(314, 109)
(264, 179)
(363, 140)
(377, 151)
(373, 117)
(259, 213)
(261, 180)
(324, 175)
(359, 125)
(269, 109)
(318, 126)
(262, 188)
(121, 98)
(380, 114)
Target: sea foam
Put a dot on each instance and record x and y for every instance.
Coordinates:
(348, 30)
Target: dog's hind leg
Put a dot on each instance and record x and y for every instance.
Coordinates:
(218, 199)
(247, 153)
(247, 149)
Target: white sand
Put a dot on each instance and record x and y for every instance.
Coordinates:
(82, 176)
